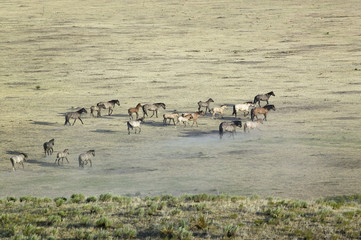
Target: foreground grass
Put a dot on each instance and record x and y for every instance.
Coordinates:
(186, 217)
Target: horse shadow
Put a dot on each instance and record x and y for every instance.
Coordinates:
(42, 164)
(192, 133)
(153, 123)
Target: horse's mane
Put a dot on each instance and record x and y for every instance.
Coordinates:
(270, 106)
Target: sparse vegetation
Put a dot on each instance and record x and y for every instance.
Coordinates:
(185, 217)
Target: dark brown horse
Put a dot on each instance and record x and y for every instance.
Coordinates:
(262, 97)
(262, 110)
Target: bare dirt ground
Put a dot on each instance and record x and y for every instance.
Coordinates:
(60, 55)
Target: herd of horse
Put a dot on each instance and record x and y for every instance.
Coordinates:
(247, 108)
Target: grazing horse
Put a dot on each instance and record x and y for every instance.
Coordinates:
(262, 110)
(252, 125)
(86, 157)
(242, 107)
(134, 110)
(21, 158)
(218, 110)
(229, 127)
(62, 155)
(134, 124)
(48, 147)
(152, 107)
(108, 105)
(205, 104)
(194, 116)
(95, 109)
(185, 118)
(263, 97)
(170, 117)
(74, 115)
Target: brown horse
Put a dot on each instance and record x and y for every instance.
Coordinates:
(134, 110)
(262, 110)
(194, 116)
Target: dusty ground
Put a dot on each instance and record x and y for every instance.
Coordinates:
(59, 55)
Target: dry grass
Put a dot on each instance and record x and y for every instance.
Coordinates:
(186, 217)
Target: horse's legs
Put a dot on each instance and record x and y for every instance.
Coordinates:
(81, 120)
(55, 161)
(136, 113)
(152, 114)
(74, 121)
(67, 159)
(22, 163)
(156, 113)
(90, 161)
(139, 130)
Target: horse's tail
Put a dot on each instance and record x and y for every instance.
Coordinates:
(12, 163)
(220, 130)
(255, 99)
(252, 114)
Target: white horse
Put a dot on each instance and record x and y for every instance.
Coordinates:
(135, 124)
(21, 158)
(62, 155)
(185, 118)
(252, 125)
(218, 110)
(84, 158)
(243, 107)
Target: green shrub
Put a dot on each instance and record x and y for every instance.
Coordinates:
(104, 223)
(77, 198)
(91, 199)
(96, 210)
(53, 219)
(126, 232)
(230, 231)
(105, 197)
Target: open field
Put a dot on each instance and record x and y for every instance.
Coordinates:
(60, 55)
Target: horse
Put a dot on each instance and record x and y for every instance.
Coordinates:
(218, 110)
(108, 105)
(194, 116)
(262, 110)
(229, 127)
(134, 124)
(74, 115)
(86, 157)
(263, 97)
(21, 158)
(252, 125)
(152, 107)
(184, 118)
(134, 110)
(242, 107)
(205, 104)
(95, 109)
(62, 155)
(48, 147)
(170, 117)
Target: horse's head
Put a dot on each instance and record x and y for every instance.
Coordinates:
(24, 155)
(271, 93)
(83, 110)
(210, 100)
(92, 152)
(116, 102)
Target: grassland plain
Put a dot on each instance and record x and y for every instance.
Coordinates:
(60, 55)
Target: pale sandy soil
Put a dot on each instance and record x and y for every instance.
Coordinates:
(59, 55)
